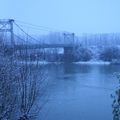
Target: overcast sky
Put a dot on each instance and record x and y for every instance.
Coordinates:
(79, 16)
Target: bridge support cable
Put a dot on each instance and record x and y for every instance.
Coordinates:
(32, 38)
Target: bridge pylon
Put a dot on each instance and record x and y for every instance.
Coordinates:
(68, 50)
(6, 25)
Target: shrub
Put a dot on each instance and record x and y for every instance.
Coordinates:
(82, 54)
(108, 54)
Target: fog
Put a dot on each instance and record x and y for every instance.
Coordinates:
(79, 16)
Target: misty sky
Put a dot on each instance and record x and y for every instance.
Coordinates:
(79, 16)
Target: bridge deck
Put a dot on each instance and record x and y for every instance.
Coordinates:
(37, 46)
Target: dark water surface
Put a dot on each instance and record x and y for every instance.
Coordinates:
(79, 92)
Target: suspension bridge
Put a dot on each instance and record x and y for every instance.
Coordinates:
(20, 43)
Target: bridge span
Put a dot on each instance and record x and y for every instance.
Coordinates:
(40, 46)
(7, 26)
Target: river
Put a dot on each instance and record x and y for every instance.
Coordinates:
(79, 92)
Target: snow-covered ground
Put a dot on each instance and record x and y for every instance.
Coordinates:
(39, 62)
(93, 62)
(81, 62)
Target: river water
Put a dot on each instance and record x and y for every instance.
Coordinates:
(79, 92)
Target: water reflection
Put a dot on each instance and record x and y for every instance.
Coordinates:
(75, 68)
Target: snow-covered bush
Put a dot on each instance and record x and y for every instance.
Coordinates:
(116, 101)
(8, 75)
(82, 54)
(109, 54)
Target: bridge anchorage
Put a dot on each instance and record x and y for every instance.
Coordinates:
(7, 26)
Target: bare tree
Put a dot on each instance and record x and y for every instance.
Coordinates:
(20, 87)
(31, 85)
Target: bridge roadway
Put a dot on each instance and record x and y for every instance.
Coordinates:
(38, 46)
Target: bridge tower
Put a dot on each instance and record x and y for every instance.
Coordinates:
(6, 25)
(68, 49)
